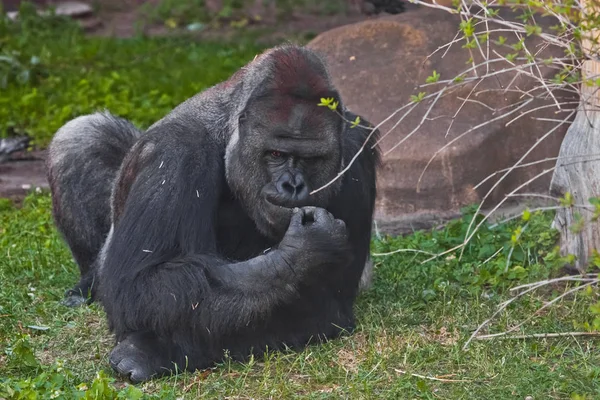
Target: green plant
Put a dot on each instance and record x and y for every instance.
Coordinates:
(414, 319)
(495, 258)
(58, 381)
(141, 78)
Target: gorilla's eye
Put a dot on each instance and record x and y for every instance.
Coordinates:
(276, 154)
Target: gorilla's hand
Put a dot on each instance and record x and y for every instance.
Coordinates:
(314, 235)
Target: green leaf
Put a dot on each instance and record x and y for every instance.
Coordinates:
(467, 27)
(519, 45)
(433, 78)
(329, 102)
(418, 98)
(567, 200)
(326, 101)
(533, 30)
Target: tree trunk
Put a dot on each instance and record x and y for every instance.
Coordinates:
(582, 179)
(578, 168)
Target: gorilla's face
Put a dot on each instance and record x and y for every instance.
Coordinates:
(286, 148)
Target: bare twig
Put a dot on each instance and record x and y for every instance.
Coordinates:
(484, 219)
(578, 278)
(587, 158)
(449, 144)
(402, 251)
(548, 304)
(431, 378)
(539, 335)
(501, 308)
(528, 288)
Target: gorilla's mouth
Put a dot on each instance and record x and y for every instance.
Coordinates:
(276, 200)
(275, 213)
(280, 208)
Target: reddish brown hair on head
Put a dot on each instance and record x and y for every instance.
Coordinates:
(299, 74)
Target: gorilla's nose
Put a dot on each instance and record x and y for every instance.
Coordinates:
(292, 187)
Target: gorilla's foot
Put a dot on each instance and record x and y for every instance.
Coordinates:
(138, 358)
(82, 293)
(74, 298)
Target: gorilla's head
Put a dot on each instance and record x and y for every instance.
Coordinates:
(285, 144)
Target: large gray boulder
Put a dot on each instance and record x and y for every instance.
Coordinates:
(379, 63)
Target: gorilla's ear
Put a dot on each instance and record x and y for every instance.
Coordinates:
(242, 118)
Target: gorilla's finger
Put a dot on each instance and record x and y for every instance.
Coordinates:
(323, 216)
(297, 217)
(339, 224)
(309, 214)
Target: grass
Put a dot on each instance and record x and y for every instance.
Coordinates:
(50, 73)
(413, 322)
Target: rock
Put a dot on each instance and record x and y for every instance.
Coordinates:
(73, 9)
(12, 145)
(378, 64)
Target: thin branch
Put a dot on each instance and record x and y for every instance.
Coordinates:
(541, 139)
(548, 304)
(462, 105)
(548, 208)
(541, 108)
(451, 142)
(433, 103)
(462, 245)
(538, 195)
(402, 251)
(491, 257)
(501, 308)
(432, 378)
(540, 162)
(578, 278)
(539, 335)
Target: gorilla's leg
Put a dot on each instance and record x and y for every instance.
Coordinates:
(83, 160)
(367, 276)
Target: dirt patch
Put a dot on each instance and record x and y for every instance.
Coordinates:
(22, 173)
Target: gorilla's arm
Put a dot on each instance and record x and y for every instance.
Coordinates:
(355, 202)
(161, 271)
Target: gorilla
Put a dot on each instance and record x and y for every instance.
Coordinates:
(207, 234)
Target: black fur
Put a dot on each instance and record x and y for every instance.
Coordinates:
(207, 252)
(83, 160)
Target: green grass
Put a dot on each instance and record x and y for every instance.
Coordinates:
(50, 73)
(415, 319)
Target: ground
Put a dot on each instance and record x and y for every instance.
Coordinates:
(412, 326)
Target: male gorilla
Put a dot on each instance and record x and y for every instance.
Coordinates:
(201, 235)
